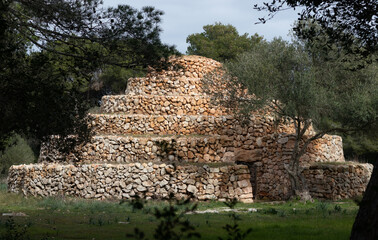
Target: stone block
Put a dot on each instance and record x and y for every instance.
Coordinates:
(243, 183)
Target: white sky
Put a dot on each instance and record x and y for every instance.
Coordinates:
(184, 17)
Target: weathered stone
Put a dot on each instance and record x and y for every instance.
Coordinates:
(108, 180)
(170, 105)
(160, 119)
(190, 181)
(244, 183)
(192, 189)
(141, 188)
(143, 178)
(163, 183)
(147, 183)
(283, 140)
(259, 142)
(228, 157)
(190, 155)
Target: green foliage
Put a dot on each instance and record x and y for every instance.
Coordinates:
(221, 42)
(333, 62)
(346, 22)
(298, 82)
(136, 203)
(282, 214)
(44, 100)
(305, 86)
(14, 231)
(17, 152)
(276, 71)
(233, 230)
(52, 54)
(362, 146)
(114, 79)
(81, 218)
(322, 206)
(173, 225)
(271, 211)
(337, 208)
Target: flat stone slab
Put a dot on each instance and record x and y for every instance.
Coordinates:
(225, 209)
(15, 214)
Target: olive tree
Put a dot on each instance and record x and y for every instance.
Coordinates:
(291, 82)
(349, 23)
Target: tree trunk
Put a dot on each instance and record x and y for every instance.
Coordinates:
(365, 226)
(298, 182)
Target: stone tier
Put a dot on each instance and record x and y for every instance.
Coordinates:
(124, 181)
(338, 181)
(164, 86)
(188, 66)
(277, 148)
(149, 180)
(270, 153)
(270, 180)
(160, 105)
(181, 125)
(271, 149)
(134, 148)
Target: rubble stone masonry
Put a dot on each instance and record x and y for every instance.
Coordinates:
(119, 181)
(167, 117)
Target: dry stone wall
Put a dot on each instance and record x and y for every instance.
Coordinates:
(160, 105)
(176, 86)
(335, 181)
(168, 117)
(134, 149)
(124, 181)
(266, 161)
(272, 148)
(325, 181)
(126, 149)
(188, 66)
(225, 125)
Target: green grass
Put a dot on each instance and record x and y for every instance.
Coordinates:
(70, 218)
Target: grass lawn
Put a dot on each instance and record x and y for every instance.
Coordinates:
(70, 218)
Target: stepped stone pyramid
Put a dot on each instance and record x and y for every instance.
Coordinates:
(165, 135)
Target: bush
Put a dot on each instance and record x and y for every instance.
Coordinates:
(337, 208)
(15, 231)
(172, 222)
(233, 229)
(17, 152)
(272, 211)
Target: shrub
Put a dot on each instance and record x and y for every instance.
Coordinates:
(17, 152)
(272, 211)
(172, 223)
(14, 231)
(233, 229)
(337, 208)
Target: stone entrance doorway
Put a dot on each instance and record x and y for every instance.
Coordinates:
(252, 166)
